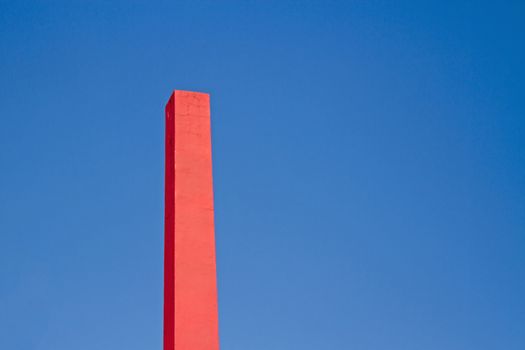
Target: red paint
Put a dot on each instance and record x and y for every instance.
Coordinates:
(190, 287)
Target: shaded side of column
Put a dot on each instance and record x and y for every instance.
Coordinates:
(169, 228)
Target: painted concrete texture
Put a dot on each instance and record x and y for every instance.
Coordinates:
(190, 300)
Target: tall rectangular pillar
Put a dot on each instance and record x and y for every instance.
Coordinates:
(190, 287)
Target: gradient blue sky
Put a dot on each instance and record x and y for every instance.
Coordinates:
(369, 167)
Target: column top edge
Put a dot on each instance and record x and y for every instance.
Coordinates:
(184, 94)
(187, 92)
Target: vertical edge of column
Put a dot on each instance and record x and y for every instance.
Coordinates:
(169, 227)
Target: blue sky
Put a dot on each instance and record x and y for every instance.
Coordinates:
(369, 171)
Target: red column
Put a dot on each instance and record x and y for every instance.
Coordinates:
(190, 287)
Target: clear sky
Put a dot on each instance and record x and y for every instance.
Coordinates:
(369, 171)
